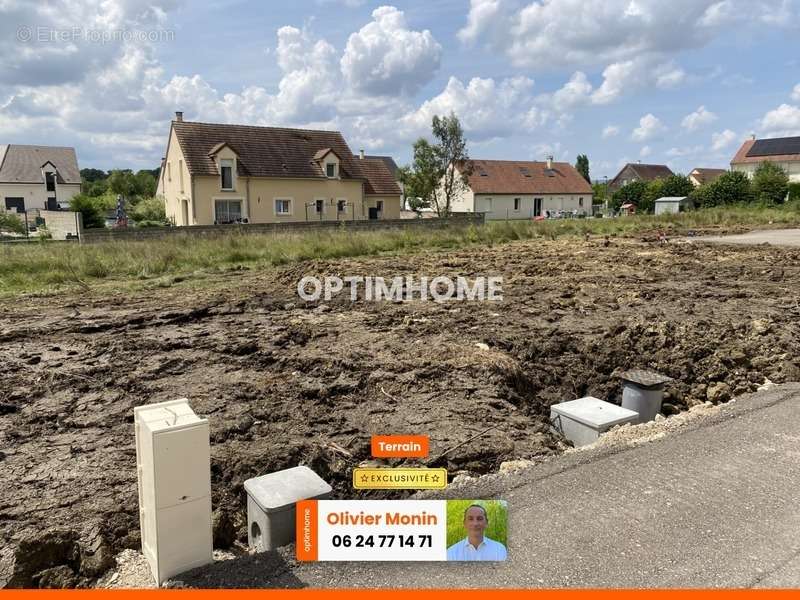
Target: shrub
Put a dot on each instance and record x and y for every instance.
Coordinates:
(794, 191)
(11, 223)
(149, 210)
(770, 183)
(633, 193)
(90, 209)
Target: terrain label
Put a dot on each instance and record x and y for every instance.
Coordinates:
(365, 478)
(400, 446)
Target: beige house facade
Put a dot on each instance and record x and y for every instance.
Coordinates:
(514, 190)
(37, 177)
(219, 174)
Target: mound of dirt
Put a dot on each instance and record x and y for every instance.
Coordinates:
(284, 382)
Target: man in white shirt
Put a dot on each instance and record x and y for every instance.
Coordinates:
(476, 546)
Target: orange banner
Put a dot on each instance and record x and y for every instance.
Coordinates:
(400, 446)
(306, 530)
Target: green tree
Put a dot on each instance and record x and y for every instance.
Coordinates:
(91, 175)
(653, 191)
(150, 210)
(90, 209)
(452, 162)
(599, 192)
(733, 187)
(95, 188)
(677, 186)
(631, 193)
(421, 179)
(145, 184)
(770, 183)
(582, 166)
(10, 222)
(122, 182)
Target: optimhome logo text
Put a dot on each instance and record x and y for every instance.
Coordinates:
(402, 288)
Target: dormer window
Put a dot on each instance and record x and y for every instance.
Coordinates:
(226, 173)
(330, 170)
(50, 181)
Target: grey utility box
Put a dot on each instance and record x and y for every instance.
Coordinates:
(584, 420)
(643, 392)
(271, 505)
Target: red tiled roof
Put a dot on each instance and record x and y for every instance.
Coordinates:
(643, 173)
(380, 178)
(741, 157)
(707, 175)
(526, 177)
(275, 152)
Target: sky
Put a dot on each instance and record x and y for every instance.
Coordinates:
(682, 83)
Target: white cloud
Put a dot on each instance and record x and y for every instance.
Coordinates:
(548, 33)
(783, 121)
(385, 57)
(697, 119)
(487, 108)
(650, 127)
(576, 91)
(610, 131)
(796, 93)
(645, 151)
(722, 140)
(685, 152)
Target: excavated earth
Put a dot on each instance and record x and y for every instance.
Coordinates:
(284, 382)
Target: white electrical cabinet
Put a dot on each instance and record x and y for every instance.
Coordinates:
(174, 470)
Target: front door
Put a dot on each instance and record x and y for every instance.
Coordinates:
(17, 204)
(52, 204)
(537, 207)
(373, 213)
(185, 212)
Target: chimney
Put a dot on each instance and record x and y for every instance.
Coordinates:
(549, 163)
(179, 116)
(361, 154)
(753, 136)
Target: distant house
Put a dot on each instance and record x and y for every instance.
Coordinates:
(638, 172)
(672, 205)
(784, 152)
(219, 173)
(700, 176)
(38, 177)
(524, 190)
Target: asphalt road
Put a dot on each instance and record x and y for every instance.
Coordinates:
(776, 237)
(716, 505)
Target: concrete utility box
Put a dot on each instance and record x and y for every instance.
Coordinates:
(271, 505)
(584, 420)
(643, 392)
(173, 462)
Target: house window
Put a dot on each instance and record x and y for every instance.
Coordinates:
(379, 205)
(180, 172)
(341, 206)
(50, 181)
(226, 173)
(580, 201)
(227, 211)
(319, 206)
(283, 206)
(330, 169)
(169, 171)
(517, 202)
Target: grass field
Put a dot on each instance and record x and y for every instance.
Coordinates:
(48, 267)
(496, 510)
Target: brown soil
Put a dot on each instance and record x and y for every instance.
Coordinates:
(286, 383)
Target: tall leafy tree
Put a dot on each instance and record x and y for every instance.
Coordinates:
(452, 162)
(677, 186)
(632, 193)
(770, 183)
(582, 166)
(421, 179)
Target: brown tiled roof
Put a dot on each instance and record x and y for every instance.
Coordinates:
(707, 175)
(23, 164)
(381, 179)
(263, 151)
(741, 157)
(510, 177)
(645, 172)
(389, 162)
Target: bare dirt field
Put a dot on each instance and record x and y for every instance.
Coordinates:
(285, 383)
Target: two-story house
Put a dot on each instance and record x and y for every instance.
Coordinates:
(37, 177)
(220, 173)
(784, 152)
